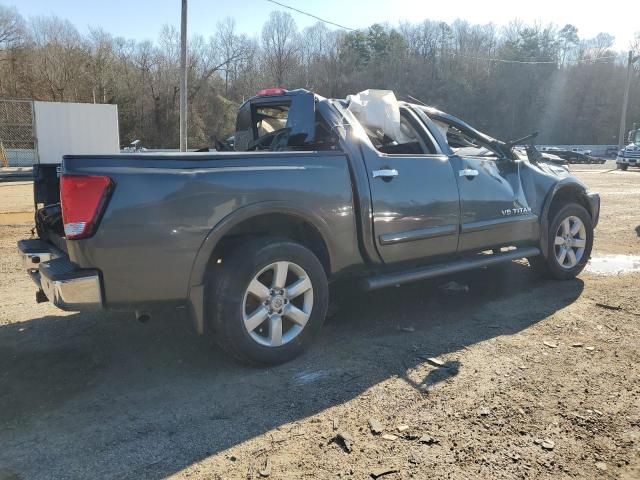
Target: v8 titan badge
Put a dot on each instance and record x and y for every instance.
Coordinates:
(508, 212)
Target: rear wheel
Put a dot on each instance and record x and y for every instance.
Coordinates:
(622, 166)
(268, 301)
(570, 240)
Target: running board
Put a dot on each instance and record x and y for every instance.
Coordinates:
(480, 260)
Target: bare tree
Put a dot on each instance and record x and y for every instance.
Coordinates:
(12, 28)
(279, 37)
(479, 72)
(58, 58)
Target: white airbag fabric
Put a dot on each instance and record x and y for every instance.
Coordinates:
(378, 110)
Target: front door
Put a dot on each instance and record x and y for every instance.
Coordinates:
(416, 209)
(494, 209)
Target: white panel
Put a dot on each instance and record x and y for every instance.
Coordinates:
(75, 129)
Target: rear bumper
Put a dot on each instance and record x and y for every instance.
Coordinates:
(66, 285)
(594, 203)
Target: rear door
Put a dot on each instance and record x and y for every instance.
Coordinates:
(416, 208)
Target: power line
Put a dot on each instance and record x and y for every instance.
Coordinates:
(526, 62)
(313, 16)
(499, 60)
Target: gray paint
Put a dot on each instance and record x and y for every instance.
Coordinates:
(168, 212)
(163, 212)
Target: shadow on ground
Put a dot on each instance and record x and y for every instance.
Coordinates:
(102, 396)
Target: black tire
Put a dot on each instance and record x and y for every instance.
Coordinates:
(549, 266)
(225, 300)
(622, 166)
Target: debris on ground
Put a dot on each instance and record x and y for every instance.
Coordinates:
(375, 426)
(608, 307)
(435, 361)
(601, 466)
(550, 344)
(402, 428)
(427, 440)
(484, 411)
(577, 344)
(344, 440)
(266, 471)
(454, 286)
(383, 471)
(514, 456)
(390, 437)
(547, 444)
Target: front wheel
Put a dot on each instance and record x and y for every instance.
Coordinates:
(570, 240)
(267, 301)
(622, 166)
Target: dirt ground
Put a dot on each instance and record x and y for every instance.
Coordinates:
(517, 378)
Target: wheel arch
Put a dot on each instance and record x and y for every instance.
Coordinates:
(562, 193)
(267, 218)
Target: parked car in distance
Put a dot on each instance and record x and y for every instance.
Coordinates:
(630, 154)
(366, 189)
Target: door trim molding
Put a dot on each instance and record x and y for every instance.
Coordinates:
(420, 234)
(495, 222)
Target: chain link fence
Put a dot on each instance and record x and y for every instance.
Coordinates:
(18, 146)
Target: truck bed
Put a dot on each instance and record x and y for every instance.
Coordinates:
(164, 207)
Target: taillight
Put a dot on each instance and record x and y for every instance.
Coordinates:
(83, 199)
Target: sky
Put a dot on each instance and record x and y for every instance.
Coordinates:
(142, 19)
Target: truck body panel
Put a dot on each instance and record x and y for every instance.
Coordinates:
(163, 208)
(440, 197)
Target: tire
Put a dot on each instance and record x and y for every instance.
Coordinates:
(243, 315)
(622, 166)
(580, 244)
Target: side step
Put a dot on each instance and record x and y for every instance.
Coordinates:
(480, 260)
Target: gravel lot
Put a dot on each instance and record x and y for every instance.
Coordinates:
(517, 378)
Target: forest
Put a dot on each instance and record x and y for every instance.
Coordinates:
(508, 81)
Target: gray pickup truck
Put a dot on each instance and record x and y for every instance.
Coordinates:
(368, 189)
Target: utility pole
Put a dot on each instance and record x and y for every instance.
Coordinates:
(625, 101)
(183, 78)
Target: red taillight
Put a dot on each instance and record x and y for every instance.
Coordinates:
(83, 200)
(271, 91)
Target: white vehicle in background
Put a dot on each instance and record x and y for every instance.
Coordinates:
(583, 151)
(630, 155)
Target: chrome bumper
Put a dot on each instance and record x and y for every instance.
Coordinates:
(33, 252)
(67, 286)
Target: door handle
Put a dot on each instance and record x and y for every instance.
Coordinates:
(468, 172)
(385, 173)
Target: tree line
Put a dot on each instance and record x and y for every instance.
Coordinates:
(507, 81)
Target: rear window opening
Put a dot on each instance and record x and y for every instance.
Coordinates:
(287, 123)
(270, 119)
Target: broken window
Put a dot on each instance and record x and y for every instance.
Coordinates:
(387, 126)
(270, 118)
(464, 143)
(282, 126)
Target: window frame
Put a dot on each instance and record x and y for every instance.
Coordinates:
(425, 137)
